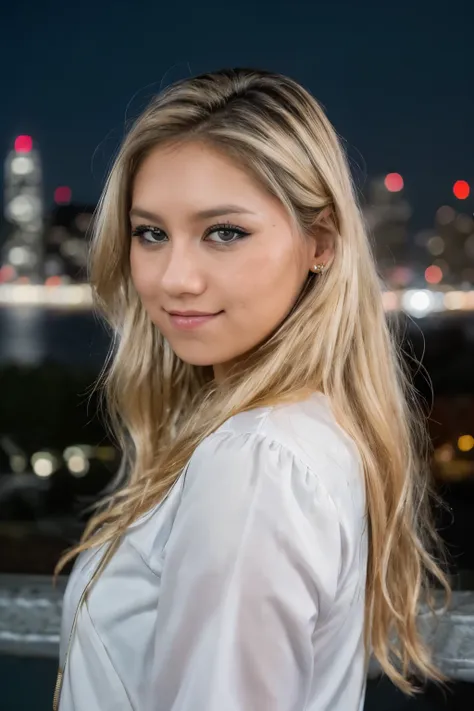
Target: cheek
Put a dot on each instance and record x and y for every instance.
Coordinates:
(266, 280)
(143, 276)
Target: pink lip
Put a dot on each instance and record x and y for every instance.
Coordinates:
(188, 322)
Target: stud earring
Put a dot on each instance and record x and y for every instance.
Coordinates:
(318, 268)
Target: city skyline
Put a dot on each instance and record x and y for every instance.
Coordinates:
(394, 80)
(40, 246)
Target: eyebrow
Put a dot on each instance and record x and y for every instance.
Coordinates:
(217, 211)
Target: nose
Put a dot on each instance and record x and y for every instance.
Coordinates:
(183, 273)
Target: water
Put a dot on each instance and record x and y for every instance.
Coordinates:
(30, 335)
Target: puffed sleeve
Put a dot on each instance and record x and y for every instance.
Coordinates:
(251, 563)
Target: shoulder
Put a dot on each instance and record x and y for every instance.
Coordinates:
(301, 438)
(307, 428)
(286, 473)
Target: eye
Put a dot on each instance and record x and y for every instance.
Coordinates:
(226, 234)
(147, 234)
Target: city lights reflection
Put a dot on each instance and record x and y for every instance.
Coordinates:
(64, 296)
(56, 294)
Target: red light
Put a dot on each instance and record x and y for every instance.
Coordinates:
(433, 274)
(394, 182)
(53, 281)
(7, 273)
(461, 189)
(62, 195)
(23, 144)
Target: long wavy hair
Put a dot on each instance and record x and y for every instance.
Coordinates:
(336, 340)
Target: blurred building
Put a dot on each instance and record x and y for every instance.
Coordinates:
(66, 242)
(448, 249)
(36, 246)
(387, 214)
(21, 257)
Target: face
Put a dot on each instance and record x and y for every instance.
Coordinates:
(214, 258)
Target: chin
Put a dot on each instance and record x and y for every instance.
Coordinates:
(193, 357)
(202, 362)
(205, 357)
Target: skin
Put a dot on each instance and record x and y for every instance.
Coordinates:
(182, 265)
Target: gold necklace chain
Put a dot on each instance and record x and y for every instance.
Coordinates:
(59, 678)
(60, 675)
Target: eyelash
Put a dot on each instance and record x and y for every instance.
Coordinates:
(140, 230)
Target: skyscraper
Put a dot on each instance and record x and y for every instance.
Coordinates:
(22, 253)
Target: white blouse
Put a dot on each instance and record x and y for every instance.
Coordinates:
(243, 590)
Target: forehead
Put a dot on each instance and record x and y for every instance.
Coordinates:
(194, 172)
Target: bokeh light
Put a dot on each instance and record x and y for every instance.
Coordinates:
(433, 274)
(445, 214)
(62, 195)
(394, 182)
(465, 443)
(43, 464)
(436, 245)
(461, 189)
(23, 144)
(444, 453)
(54, 280)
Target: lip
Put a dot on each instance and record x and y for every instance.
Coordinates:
(187, 320)
(191, 313)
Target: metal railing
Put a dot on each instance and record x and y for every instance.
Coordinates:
(30, 619)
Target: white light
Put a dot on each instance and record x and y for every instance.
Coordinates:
(19, 294)
(78, 465)
(65, 296)
(77, 458)
(455, 300)
(83, 450)
(21, 165)
(24, 208)
(418, 303)
(19, 256)
(76, 295)
(43, 464)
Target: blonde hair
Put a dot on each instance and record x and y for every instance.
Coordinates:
(335, 340)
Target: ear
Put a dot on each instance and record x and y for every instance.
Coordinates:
(324, 233)
(324, 218)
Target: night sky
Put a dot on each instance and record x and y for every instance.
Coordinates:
(396, 78)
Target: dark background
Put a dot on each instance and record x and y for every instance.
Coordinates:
(395, 80)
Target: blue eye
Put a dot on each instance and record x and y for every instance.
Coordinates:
(227, 233)
(148, 234)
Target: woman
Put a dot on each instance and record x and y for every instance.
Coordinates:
(272, 529)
